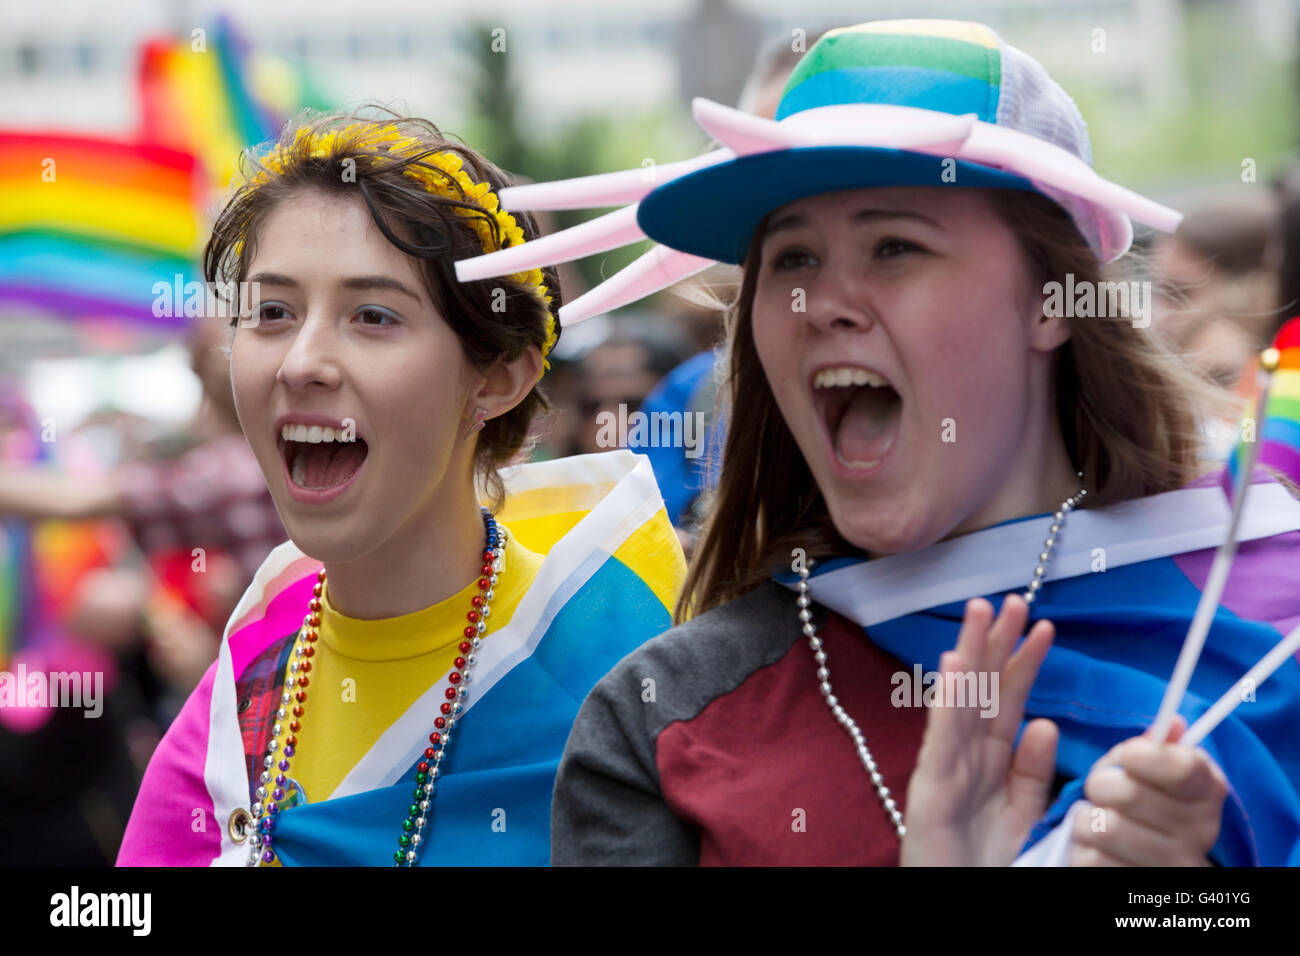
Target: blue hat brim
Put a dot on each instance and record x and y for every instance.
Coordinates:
(713, 212)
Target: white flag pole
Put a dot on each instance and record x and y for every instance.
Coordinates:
(1279, 655)
(1218, 578)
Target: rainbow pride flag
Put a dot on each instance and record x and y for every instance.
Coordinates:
(1277, 422)
(203, 100)
(88, 225)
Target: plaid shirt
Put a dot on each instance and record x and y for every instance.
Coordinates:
(258, 692)
(213, 496)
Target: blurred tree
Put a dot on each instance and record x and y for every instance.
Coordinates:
(496, 98)
(545, 150)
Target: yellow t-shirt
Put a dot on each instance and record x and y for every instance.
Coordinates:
(366, 674)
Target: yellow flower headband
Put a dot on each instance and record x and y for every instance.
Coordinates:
(440, 173)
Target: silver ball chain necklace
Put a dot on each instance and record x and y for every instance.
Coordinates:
(824, 675)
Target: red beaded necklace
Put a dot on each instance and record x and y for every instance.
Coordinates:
(268, 805)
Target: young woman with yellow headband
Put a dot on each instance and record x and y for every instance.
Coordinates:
(397, 683)
(920, 429)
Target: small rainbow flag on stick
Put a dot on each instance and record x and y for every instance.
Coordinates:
(1271, 435)
(1273, 443)
(1278, 435)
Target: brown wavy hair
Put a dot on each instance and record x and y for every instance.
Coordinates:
(494, 319)
(1128, 410)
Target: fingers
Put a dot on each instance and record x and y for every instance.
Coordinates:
(1113, 789)
(985, 643)
(1116, 839)
(983, 647)
(1006, 631)
(968, 656)
(972, 639)
(1094, 840)
(954, 726)
(1033, 769)
(947, 737)
(1111, 757)
(1154, 803)
(949, 729)
(1017, 680)
(1177, 727)
(1184, 773)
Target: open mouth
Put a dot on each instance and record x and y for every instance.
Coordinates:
(318, 459)
(861, 412)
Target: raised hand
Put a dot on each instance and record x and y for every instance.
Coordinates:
(1150, 804)
(974, 796)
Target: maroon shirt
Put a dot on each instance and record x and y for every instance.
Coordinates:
(712, 744)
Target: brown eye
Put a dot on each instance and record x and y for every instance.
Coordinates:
(792, 259)
(893, 247)
(376, 317)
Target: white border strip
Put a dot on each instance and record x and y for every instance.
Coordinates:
(225, 770)
(988, 562)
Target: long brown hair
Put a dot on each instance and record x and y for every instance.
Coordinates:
(1127, 407)
(494, 319)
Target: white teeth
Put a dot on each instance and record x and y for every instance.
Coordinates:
(312, 434)
(299, 473)
(846, 375)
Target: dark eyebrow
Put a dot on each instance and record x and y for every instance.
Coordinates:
(273, 278)
(355, 282)
(378, 282)
(798, 220)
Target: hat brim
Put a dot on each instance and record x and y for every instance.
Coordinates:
(713, 212)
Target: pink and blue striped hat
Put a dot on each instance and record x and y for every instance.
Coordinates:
(890, 103)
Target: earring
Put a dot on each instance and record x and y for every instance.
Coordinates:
(479, 415)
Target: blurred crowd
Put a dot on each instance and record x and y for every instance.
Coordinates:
(134, 526)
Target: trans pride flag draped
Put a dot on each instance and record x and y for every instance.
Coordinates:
(1121, 590)
(611, 572)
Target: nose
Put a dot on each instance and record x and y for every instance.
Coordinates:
(837, 298)
(312, 358)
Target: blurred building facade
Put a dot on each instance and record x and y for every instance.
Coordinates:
(70, 63)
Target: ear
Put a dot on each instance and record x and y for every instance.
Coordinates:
(505, 384)
(1049, 329)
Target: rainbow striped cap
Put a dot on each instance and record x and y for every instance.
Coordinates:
(899, 102)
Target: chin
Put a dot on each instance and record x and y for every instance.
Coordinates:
(895, 529)
(313, 547)
(328, 548)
